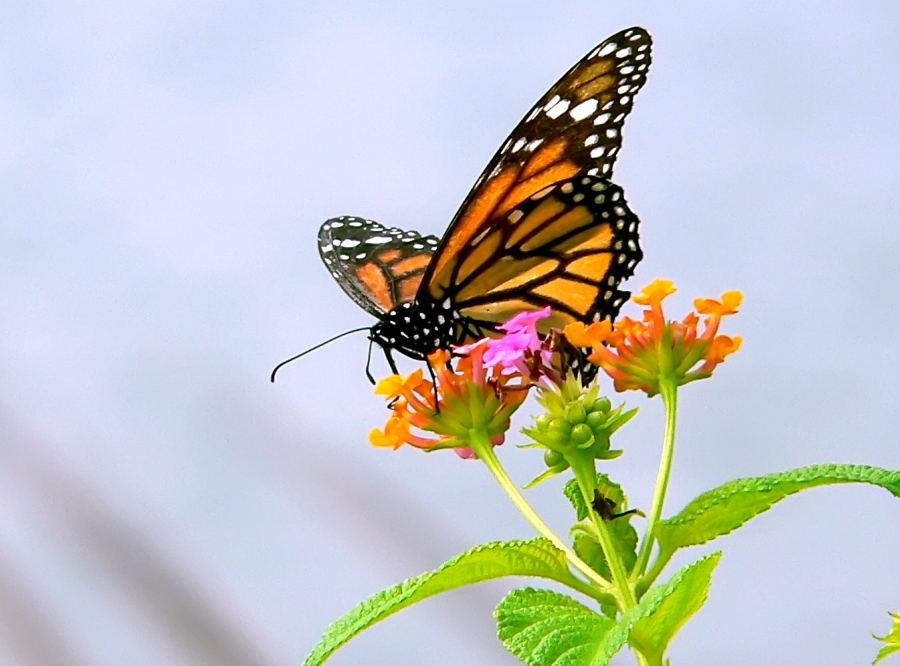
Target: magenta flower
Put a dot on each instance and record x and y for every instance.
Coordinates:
(521, 350)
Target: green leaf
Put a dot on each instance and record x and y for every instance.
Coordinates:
(892, 640)
(535, 557)
(729, 506)
(651, 634)
(545, 628)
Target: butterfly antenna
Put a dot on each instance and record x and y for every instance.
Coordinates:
(321, 344)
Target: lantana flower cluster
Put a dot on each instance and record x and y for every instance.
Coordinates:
(476, 389)
(640, 354)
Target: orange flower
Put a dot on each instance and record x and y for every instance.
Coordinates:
(639, 354)
(470, 397)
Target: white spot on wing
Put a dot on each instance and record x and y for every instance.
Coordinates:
(609, 48)
(558, 109)
(377, 240)
(585, 109)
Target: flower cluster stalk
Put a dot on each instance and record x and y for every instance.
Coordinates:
(485, 452)
(669, 392)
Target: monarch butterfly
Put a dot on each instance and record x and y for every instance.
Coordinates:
(543, 224)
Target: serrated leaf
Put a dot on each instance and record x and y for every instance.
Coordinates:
(891, 640)
(534, 557)
(652, 634)
(545, 628)
(719, 511)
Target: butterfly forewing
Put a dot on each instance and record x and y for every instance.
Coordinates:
(379, 268)
(575, 129)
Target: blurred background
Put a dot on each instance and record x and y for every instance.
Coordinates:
(164, 168)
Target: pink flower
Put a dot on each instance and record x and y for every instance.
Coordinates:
(521, 350)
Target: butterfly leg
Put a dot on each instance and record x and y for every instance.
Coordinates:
(390, 360)
(437, 404)
(368, 363)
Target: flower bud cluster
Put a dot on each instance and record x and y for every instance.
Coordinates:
(577, 424)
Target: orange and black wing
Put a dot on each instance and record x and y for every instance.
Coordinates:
(519, 206)
(380, 268)
(568, 246)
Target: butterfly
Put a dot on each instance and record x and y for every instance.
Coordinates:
(543, 224)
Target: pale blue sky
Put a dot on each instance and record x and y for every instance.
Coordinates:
(164, 168)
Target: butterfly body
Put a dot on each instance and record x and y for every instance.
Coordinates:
(543, 225)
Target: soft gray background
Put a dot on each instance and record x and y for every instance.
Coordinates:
(164, 168)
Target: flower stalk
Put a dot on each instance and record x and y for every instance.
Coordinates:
(485, 452)
(669, 392)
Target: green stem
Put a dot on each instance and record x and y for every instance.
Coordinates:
(669, 391)
(586, 476)
(662, 559)
(620, 578)
(485, 453)
(641, 659)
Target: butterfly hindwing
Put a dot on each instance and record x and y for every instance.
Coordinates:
(380, 268)
(575, 129)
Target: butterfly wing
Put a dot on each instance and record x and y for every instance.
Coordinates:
(568, 246)
(573, 132)
(379, 268)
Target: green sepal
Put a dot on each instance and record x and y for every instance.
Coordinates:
(652, 634)
(534, 557)
(723, 509)
(891, 640)
(545, 628)
(553, 471)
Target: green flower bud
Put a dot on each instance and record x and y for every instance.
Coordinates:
(553, 458)
(602, 405)
(543, 421)
(582, 435)
(575, 413)
(560, 428)
(595, 421)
